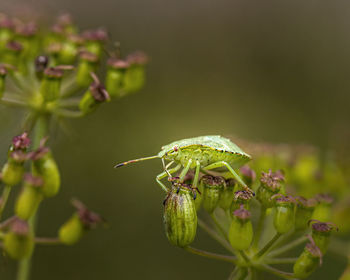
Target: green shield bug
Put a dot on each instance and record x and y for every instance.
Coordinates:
(201, 154)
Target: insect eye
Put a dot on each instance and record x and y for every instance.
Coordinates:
(176, 148)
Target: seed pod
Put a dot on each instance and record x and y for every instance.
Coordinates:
(115, 76)
(321, 233)
(212, 188)
(271, 184)
(69, 49)
(87, 65)
(19, 241)
(30, 197)
(241, 229)
(308, 261)
(51, 83)
(80, 222)
(180, 216)
(304, 209)
(44, 165)
(323, 210)
(12, 53)
(94, 40)
(134, 78)
(96, 95)
(3, 73)
(227, 194)
(7, 27)
(12, 173)
(241, 198)
(283, 220)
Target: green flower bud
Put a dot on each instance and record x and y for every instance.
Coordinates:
(19, 241)
(96, 95)
(283, 219)
(7, 27)
(30, 197)
(3, 73)
(115, 76)
(73, 230)
(212, 187)
(323, 210)
(44, 166)
(12, 53)
(180, 216)
(241, 229)
(240, 198)
(308, 261)
(69, 49)
(94, 40)
(134, 78)
(87, 65)
(271, 184)
(304, 209)
(321, 233)
(12, 173)
(227, 194)
(51, 83)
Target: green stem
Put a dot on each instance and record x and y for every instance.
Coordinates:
(259, 227)
(219, 226)
(280, 260)
(215, 236)
(13, 102)
(268, 245)
(244, 256)
(68, 113)
(233, 273)
(48, 240)
(210, 255)
(287, 247)
(275, 271)
(40, 131)
(4, 198)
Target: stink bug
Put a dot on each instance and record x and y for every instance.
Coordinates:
(201, 154)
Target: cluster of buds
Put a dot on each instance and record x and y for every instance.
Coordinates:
(43, 70)
(41, 182)
(292, 218)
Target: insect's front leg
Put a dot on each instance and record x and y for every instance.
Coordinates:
(164, 174)
(234, 174)
(185, 170)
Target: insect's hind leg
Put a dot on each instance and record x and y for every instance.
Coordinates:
(234, 174)
(164, 174)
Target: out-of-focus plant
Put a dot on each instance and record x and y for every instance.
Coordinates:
(52, 74)
(284, 230)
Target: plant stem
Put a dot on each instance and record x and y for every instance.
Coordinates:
(268, 245)
(287, 247)
(215, 236)
(40, 131)
(218, 225)
(210, 255)
(260, 227)
(244, 256)
(280, 260)
(48, 240)
(4, 197)
(282, 274)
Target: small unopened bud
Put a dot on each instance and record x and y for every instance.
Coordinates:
(180, 216)
(308, 261)
(94, 40)
(20, 142)
(12, 52)
(115, 76)
(135, 75)
(323, 211)
(12, 172)
(283, 220)
(241, 229)
(51, 83)
(227, 194)
(241, 198)
(19, 241)
(87, 64)
(96, 95)
(271, 184)
(30, 197)
(80, 222)
(304, 209)
(212, 188)
(248, 174)
(321, 233)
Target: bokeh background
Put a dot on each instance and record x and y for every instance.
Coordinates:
(259, 70)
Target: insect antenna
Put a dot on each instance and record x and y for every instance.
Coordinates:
(135, 160)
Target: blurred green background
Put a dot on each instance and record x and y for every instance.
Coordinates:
(258, 70)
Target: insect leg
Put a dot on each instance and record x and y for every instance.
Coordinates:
(196, 179)
(164, 174)
(234, 174)
(185, 170)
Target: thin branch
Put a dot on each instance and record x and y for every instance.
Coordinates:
(268, 245)
(280, 260)
(3, 199)
(219, 226)
(215, 236)
(210, 255)
(275, 271)
(48, 240)
(68, 113)
(260, 226)
(288, 247)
